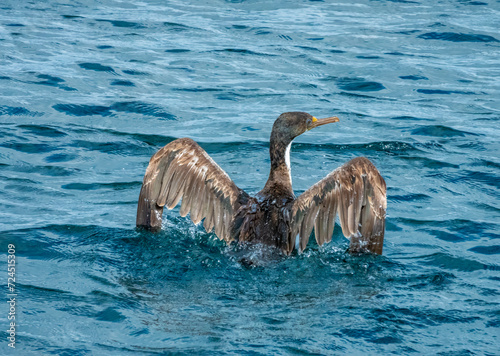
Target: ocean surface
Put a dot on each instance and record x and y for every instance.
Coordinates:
(89, 90)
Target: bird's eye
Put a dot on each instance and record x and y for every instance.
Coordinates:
(309, 122)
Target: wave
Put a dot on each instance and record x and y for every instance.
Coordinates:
(134, 72)
(244, 52)
(17, 111)
(52, 81)
(409, 197)
(393, 148)
(82, 109)
(43, 130)
(429, 162)
(449, 262)
(444, 92)
(135, 107)
(479, 178)
(139, 107)
(440, 131)
(486, 250)
(125, 83)
(178, 50)
(355, 84)
(52, 171)
(26, 147)
(457, 37)
(413, 77)
(178, 27)
(98, 186)
(123, 24)
(97, 67)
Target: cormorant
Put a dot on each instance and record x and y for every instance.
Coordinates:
(274, 216)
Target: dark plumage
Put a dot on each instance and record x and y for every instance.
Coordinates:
(356, 191)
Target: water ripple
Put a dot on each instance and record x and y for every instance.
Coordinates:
(457, 37)
(97, 67)
(486, 250)
(95, 186)
(123, 24)
(42, 130)
(440, 131)
(358, 84)
(17, 111)
(446, 261)
(137, 107)
(445, 92)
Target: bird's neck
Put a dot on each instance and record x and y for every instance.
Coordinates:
(280, 179)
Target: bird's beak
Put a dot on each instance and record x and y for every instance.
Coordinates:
(327, 120)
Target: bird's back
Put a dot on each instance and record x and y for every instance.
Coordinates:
(265, 219)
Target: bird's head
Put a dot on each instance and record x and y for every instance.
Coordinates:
(292, 124)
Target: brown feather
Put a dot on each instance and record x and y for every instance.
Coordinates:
(358, 193)
(208, 223)
(197, 208)
(332, 214)
(307, 226)
(182, 169)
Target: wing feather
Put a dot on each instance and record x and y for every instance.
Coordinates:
(183, 170)
(197, 209)
(357, 193)
(208, 224)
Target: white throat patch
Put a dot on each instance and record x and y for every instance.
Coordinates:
(287, 155)
(287, 161)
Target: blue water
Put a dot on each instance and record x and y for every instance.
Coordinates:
(89, 90)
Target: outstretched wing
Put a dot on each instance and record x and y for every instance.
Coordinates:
(182, 169)
(357, 192)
